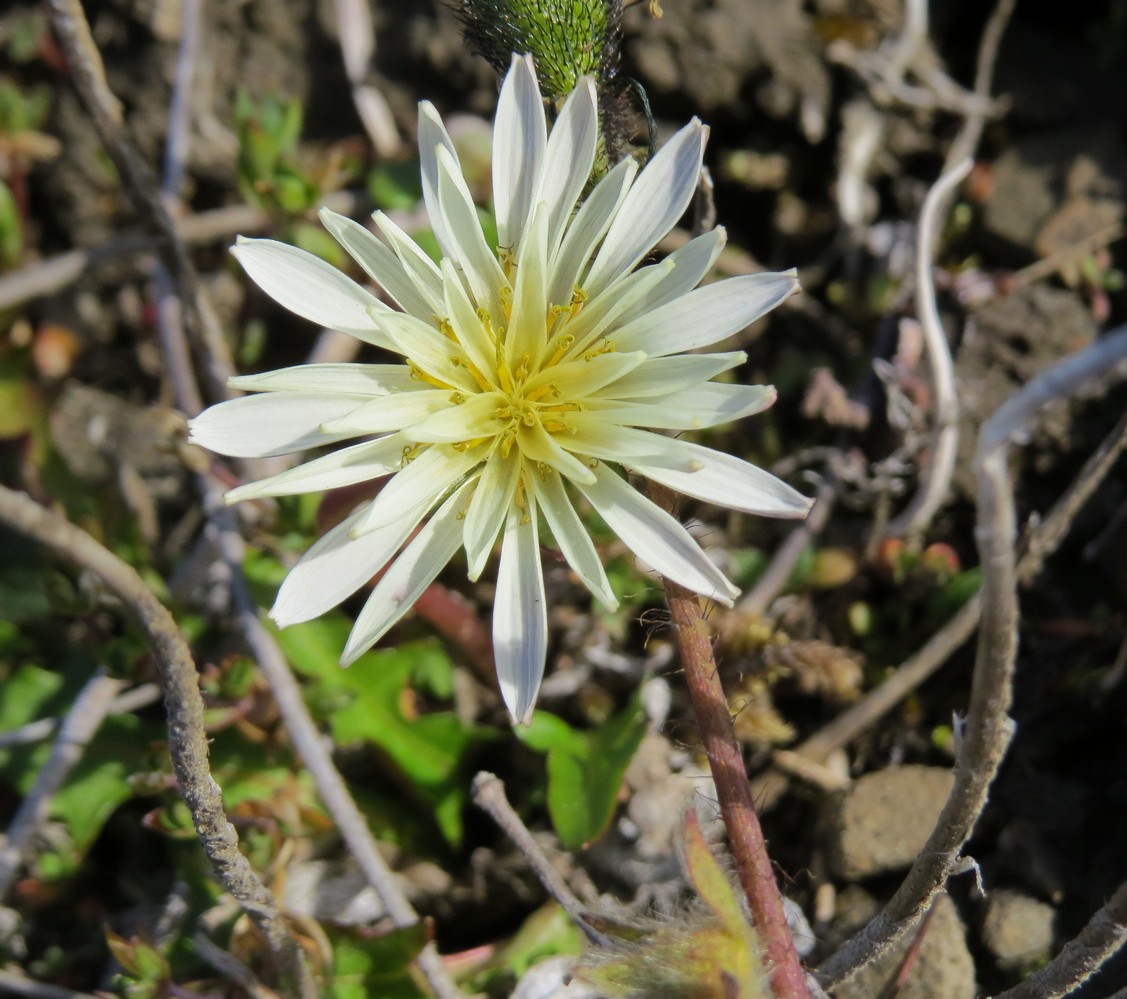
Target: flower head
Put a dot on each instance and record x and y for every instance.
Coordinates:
(525, 376)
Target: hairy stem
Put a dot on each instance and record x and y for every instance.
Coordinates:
(745, 835)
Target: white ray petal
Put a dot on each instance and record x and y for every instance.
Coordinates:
(432, 137)
(727, 481)
(524, 341)
(540, 447)
(569, 158)
(707, 315)
(349, 465)
(476, 417)
(337, 565)
(330, 379)
(406, 578)
(468, 326)
(657, 200)
(600, 317)
(656, 536)
(263, 426)
(520, 135)
(311, 288)
(380, 262)
(694, 409)
(665, 376)
(421, 269)
(593, 437)
(520, 615)
(390, 413)
(435, 471)
(467, 241)
(574, 379)
(434, 353)
(587, 228)
(572, 536)
(491, 501)
(691, 264)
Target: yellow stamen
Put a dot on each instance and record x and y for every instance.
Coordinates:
(601, 346)
(558, 426)
(564, 345)
(419, 375)
(543, 390)
(486, 321)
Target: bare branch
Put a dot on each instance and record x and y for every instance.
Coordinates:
(140, 186)
(775, 577)
(945, 433)
(187, 736)
(1081, 957)
(489, 796)
(988, 728)
(358, 47)
(18, 985)
(79, 726)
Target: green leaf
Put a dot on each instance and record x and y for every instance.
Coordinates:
(99, 784)
(365, 703)
(548, 932)
(366, 966)
(27, 693)
(585, 769)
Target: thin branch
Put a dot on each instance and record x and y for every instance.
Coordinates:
(988, 728)
(489, 796)
(966, 140)
(1042, 541)
(15, 984)
(187, 738)
(358, 47)
(71, 26)
(312, 746)
(777, 574)
(126, 703)
(79, 726)
(945, 433)
(725, 760)
(140, 186)
(54, 274)
(1081, 957)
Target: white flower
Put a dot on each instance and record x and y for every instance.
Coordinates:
(527, 371)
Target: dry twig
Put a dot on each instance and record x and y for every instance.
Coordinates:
(88, 74)
(1081, 957)
(945, 433)
(489, 796)
(80, 725)
(988, 729)
(19, 985)
(187, 737)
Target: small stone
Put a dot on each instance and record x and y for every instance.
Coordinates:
(884, 820)
(1017, 930)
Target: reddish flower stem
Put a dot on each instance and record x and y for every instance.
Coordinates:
(737, 807)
